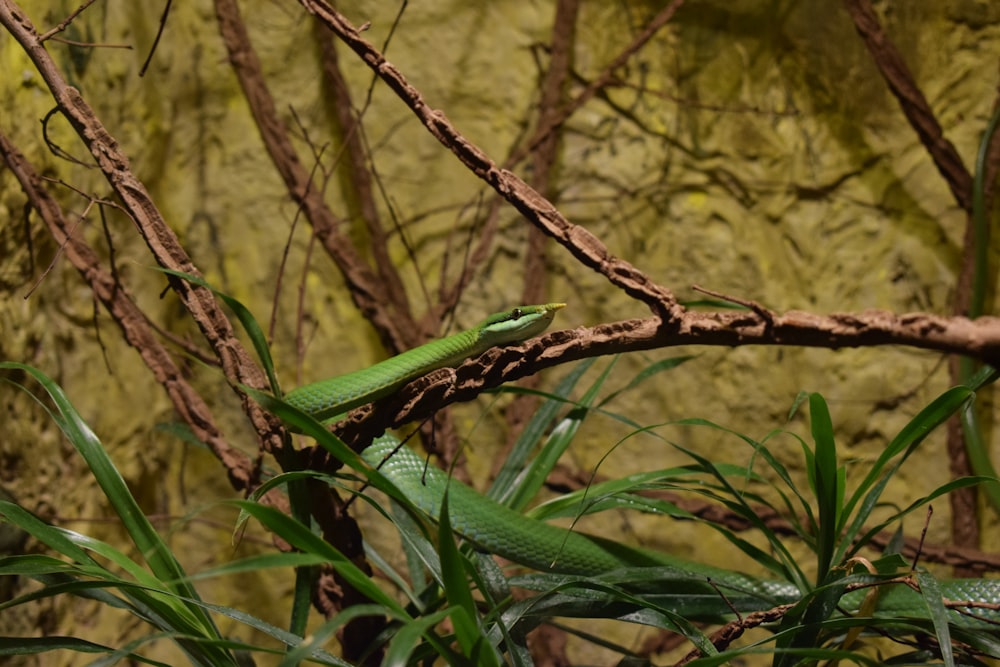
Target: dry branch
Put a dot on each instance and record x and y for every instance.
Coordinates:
(912, 101)
(979, 338)
(135, 327)
(394, 328)
(161, 240)
(582, 244)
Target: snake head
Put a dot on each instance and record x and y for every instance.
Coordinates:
(517, 324)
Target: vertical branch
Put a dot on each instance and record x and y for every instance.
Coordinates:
(355, 174)
(393, 328)
(543, 156)
(965, 435)
(359, 188)
(964, 505)
(381, 298)
(543, 159)
(543, 177)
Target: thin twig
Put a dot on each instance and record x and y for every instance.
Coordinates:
(923, 536)
(62, 25)
(92, 45)
(156, 40)
(59, 251)
(763, 312)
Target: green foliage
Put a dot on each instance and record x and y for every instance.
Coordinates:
(830, 517)
(456, 604)
(159, 593)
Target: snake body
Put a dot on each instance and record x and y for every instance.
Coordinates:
(329, 398)
(500, 530)
(497, 529)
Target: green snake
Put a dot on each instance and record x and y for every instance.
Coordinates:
(499, 530)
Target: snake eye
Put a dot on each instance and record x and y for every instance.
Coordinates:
(516, 314)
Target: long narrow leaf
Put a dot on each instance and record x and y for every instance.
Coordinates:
(905, 443)
(11, 646)
(559, 440)
(153, 549)
(648, 372)
(246, 318)
(931, 593)
(828, 493)
(505, 484)
(456, 589)
(302, 538)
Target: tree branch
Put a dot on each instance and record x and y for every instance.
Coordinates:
(911, 99)
(979, 338)
(166, 249)
(132, 321)
(581, 243)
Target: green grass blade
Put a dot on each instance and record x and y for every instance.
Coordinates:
(11, 646)
(154, 550)
(259, 563)
(931, 593)
(942, 490)
(799, 656)
(56, 584)
(829, 491)
(300, 537)
(646, 373)
(145, 537)
(311, 648)
(406, 641)
(621, 494)
(48, 535)
(297, 493)
(980, 221)
(281, 635)
(421, 550)
(905, 443)
(305, 576)
(805, 508)
(800, 398)
(978, 453)
(456, 588)
(507, 483)
(555, 446)
(976, 447)
(785, 565)
(147, 604)
(246, 318)
(595, 598)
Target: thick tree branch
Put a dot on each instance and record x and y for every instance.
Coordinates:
(393, 328)
(544, 168)
(979, 338)
(356, 176)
